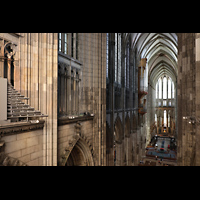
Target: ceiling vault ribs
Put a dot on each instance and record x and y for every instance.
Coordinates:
(161, 51)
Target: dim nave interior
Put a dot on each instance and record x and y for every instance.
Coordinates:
(100, 99)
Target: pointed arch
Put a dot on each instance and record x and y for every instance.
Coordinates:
(127, 126)
(79, 152)
(134, 122)
(80, 155)
(109, 137)
(118, 130)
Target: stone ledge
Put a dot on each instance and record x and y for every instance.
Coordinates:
(20, 127)
(66, 120)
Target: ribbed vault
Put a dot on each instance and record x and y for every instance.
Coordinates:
(160, 49)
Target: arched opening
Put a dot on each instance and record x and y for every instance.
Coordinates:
(127, 142)
(109, 146)
(9, 54)
(12, 74)
(134, 123)
(127, 126)
(80, 155)
(118, 144)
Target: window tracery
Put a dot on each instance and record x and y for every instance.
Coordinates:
(68, 74)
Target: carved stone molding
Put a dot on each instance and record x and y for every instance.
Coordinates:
(20, 127)
(10, 50)
(63, 69)
(78, 128)
(6, 160)
(66, 120)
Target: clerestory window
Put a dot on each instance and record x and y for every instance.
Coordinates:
(118, 58)
(68, 44)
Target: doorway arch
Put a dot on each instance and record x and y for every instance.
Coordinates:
(78, 153)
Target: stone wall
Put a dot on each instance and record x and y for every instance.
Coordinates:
(197, 99)
(36, 77)
(93, 87)
(186, 93)
(26, 147)
(92, 96)
(67, 137)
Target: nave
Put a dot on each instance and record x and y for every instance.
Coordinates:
(160, 152)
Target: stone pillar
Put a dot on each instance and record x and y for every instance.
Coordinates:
(62, 91)
(111, 89)
(197, 99)
(65, 90)
(74, 92)
(69, 108)
(9, 70)
(1, 59)
(162, 92)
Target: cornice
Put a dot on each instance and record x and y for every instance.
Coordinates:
(66, 120)
(20, 127)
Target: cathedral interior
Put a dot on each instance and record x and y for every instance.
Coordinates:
(99, 99)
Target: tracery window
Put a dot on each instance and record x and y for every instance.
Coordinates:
(173, 90)
(157, 90)
(169, 89)
(68, 44)
(74, 45)
(165, 88)
(127, 66)
(156, 119)
(68, 74)
(165, 118)
(118, 58)
(65, 44)
(168, 120)
(59, 41)
(115, 57)
(160, 88)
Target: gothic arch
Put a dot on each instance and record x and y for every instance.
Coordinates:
(119, 145)
(109, 137)
(118, 130)
(10, 49)
(79, 152)
(127, 126)
(80, 155)
(134, 122)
